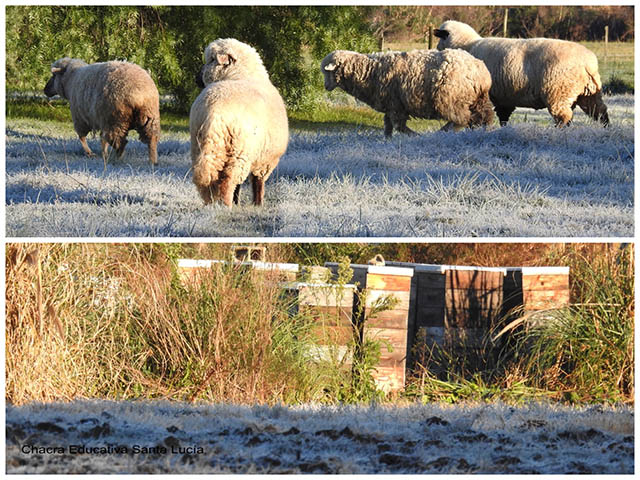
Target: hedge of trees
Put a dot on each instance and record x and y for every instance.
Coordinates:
(169, 41)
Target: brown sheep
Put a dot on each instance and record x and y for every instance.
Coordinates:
(110, 97)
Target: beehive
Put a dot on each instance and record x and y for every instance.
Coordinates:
(390, 326)
(331, 308)
(188, 269)
(536, 288)
(457, 307)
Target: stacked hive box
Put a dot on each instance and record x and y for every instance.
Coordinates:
(536, 288)
(189, 269)
(456, 307)
(331, 307)
(389, 326)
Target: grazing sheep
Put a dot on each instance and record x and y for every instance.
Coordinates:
(535, 73)
(238, 123)
(110, 97)
(420, 83)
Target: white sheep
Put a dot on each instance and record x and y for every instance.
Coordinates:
(238, 123)
(535, 73)
(451, 85)
(110, 97)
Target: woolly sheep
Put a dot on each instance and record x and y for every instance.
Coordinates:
(535, 73)
(422, 83)
(238, 123)
(110, 97)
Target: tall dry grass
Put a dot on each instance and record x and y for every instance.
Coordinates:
(114, 321)
(582, 353)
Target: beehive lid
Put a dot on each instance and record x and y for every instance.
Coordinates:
(299, 285)
(377, 269)
(540, 270)
(192, 263)
(431, 268)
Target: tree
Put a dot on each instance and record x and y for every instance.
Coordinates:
(169, 41)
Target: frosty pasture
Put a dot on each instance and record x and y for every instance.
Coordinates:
(525, 180)
(185, 438)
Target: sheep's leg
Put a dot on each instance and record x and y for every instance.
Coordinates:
(85, 147)
(399, 122)
(206, 192)
(503, 114)
(593, 106)
(226, 190)
(388, 126)
(105, 151)
(153, 150)
(562, 114)
(119, 147)
(258, 190)
(236, 195)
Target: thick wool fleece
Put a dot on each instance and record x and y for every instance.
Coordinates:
(449, 85)
(535, 73)
(110, 97)
(238, 124)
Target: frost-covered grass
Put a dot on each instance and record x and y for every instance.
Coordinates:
(528, 179)
(417, 439)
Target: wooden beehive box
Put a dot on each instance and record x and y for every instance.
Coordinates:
(331, 308)
(388, 326)
(536, 288)
(455, 307)
(189, 269)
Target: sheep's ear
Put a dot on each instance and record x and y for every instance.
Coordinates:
(441, 33)
(225, 59)
(55, 70)
(330, 67)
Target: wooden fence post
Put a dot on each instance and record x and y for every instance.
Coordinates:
(606, 41)
(504, 25)
(430, 39)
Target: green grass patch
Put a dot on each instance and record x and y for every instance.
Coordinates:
(323, 117)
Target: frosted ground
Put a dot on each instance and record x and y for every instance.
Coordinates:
(183, 438)
(525, 180)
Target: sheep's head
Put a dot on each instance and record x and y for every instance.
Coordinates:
(330, 67)
(230, 59)
(55, 85)
(454, 34)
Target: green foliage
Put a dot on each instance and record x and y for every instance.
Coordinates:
(169, 41)
(616, 85)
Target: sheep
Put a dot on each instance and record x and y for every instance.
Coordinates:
(420, 83)
(535, 73)
(110, 97)
(238, 123)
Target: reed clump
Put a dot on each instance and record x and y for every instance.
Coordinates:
(116, 321)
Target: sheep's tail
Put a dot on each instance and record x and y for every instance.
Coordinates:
(481, 111)
(147, 123)
(594, 83)
(208, 159)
